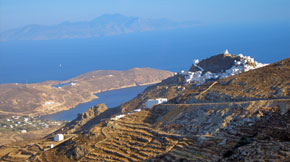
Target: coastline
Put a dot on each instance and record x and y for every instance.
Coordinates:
(94, 96)
(45, 98)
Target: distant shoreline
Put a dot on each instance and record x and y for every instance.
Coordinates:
(96, 96)
(39, 99)
(111, 98)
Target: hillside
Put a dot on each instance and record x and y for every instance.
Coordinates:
(54, 96)
(250, 125)
(270, 82)
(202, 77)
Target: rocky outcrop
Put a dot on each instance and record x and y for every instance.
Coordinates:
(91, 113)
(216, 64)
(85, 117)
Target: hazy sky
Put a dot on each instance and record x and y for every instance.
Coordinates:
(17, 13)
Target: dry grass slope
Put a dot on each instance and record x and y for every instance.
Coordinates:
(247, 120)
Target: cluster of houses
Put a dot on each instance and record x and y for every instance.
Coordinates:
(24, 124)
(246, 63)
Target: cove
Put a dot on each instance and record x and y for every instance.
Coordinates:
(111, 98)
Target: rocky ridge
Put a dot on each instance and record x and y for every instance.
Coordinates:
(84, 117)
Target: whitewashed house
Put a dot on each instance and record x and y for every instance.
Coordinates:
(49, 103)
(58, 137)
(151, 102)
(23, 131)
(118, 117)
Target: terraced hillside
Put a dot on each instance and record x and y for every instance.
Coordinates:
(188, 132)
(126, 139)
(235, 131)
(250, 125)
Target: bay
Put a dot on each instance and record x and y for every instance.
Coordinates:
(111, 98)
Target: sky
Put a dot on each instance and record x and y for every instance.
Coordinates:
(18, 13)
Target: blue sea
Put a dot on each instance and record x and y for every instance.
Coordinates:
(174, 50)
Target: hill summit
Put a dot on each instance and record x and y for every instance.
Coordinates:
(220, 66)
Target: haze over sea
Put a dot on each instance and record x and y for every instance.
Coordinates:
(174, 50)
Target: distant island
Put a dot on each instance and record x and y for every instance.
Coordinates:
(53, 96)
(105, 25)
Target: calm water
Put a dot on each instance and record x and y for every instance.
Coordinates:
(174, 50)
(35, 61)
(110, 98)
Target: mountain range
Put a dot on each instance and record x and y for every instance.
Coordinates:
(105, 25)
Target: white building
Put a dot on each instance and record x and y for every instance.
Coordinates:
(118, 117)
(137, 110)
(58, 137)
(23, 131)
(49, 103)
(151, 102)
